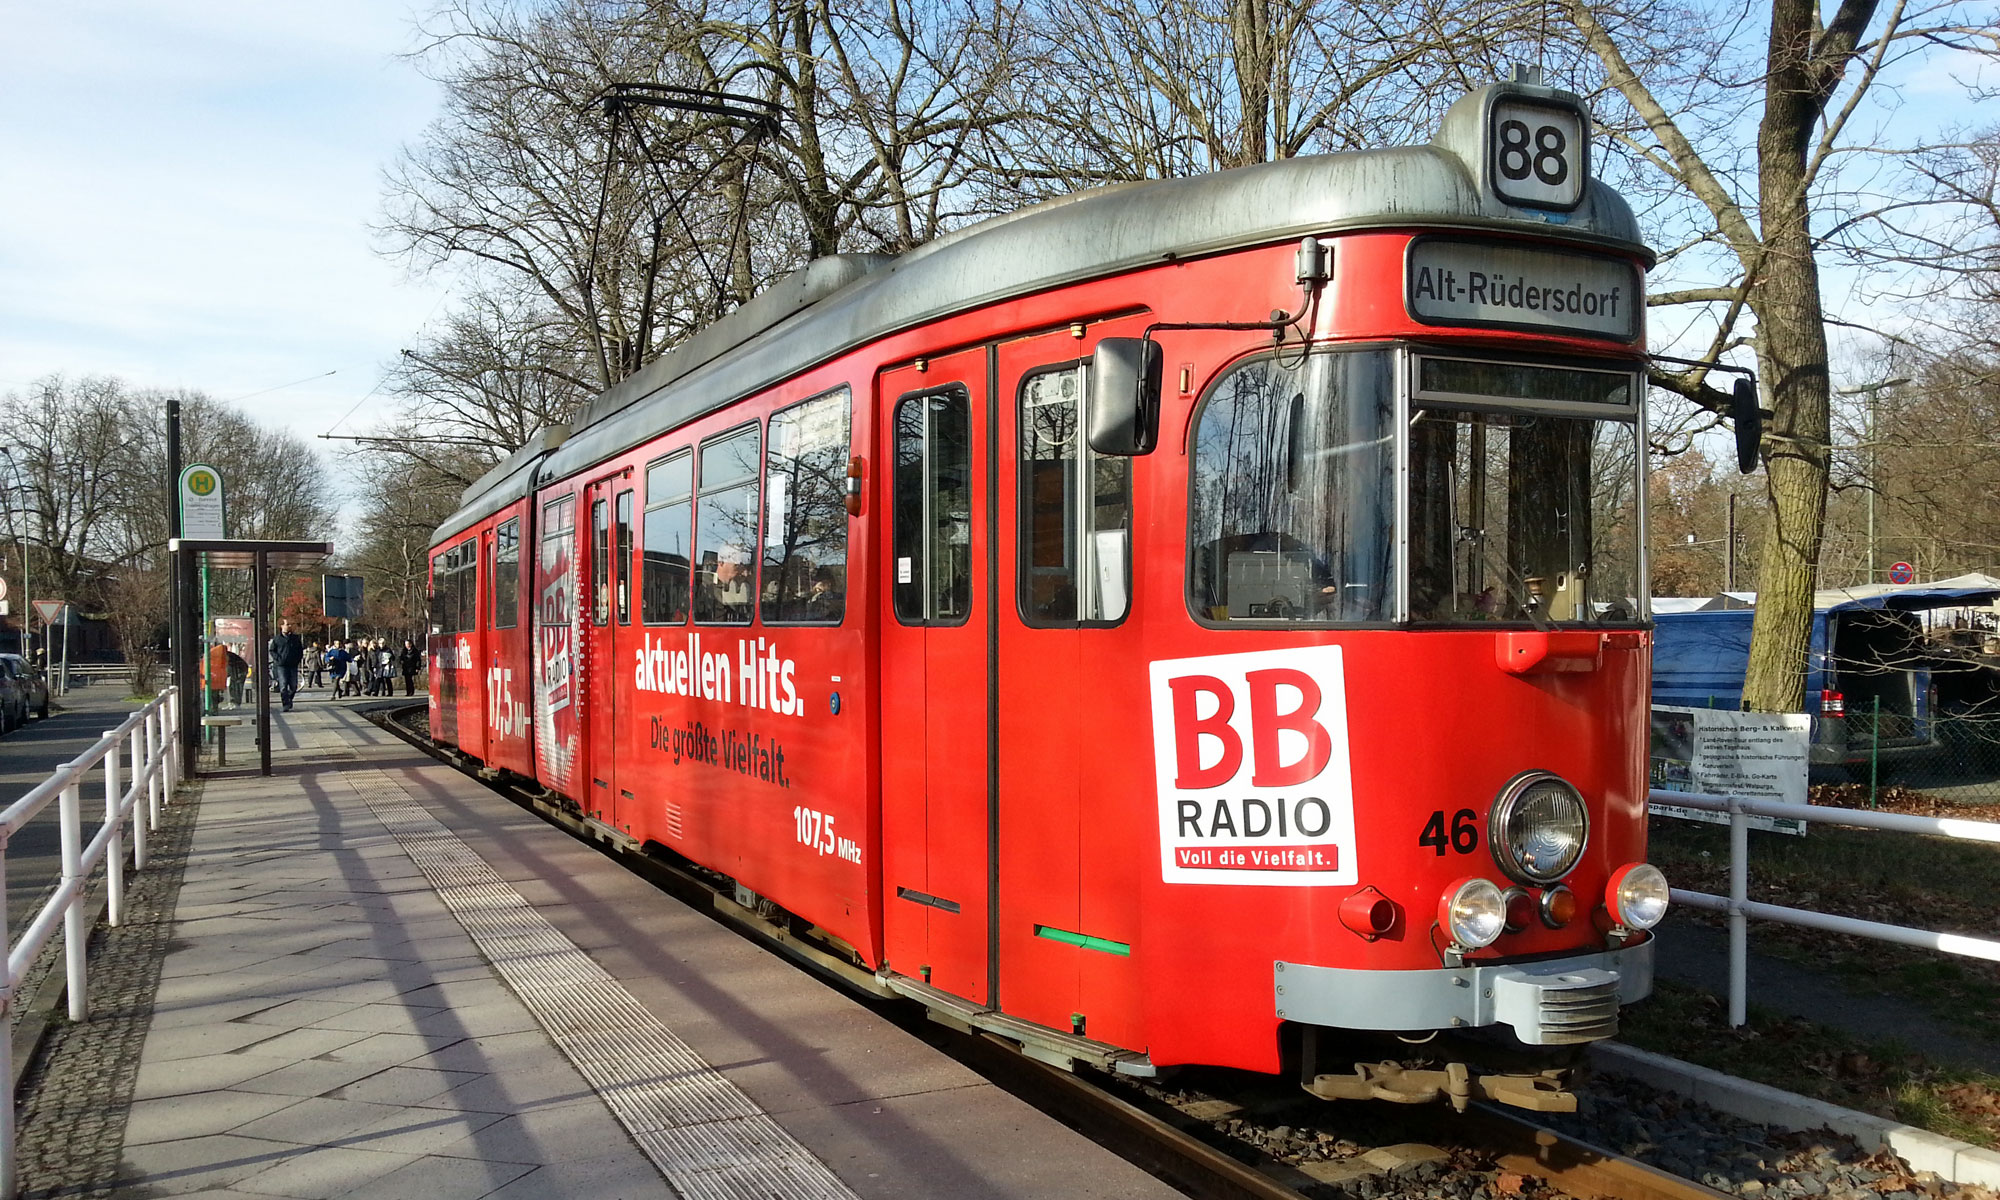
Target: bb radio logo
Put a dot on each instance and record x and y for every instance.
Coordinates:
(1251, 762)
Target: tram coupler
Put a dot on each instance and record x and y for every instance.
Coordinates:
(1544, 1091)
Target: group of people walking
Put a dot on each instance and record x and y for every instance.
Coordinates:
(368, 668)
(364, 668)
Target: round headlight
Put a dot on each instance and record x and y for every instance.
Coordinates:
(1473, 912)
(1538, 828)
(1637, 895)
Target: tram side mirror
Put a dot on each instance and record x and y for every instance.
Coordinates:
(1749, 421)
(1125, 396)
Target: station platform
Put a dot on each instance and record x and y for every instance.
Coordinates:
(384, 980)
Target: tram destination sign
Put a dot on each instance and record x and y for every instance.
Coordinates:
(1464, 281)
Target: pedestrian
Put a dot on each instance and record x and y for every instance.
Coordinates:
(239, 671)
(337, 660)
(286, 652)
(215, 673)
(411, 660)
(357, 667)
(315, 665)
(385, 668)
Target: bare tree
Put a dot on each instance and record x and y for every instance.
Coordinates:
(1743, 210)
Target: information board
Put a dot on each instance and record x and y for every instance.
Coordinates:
(1723, 752)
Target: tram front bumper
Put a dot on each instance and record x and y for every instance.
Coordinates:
(1551, 1002)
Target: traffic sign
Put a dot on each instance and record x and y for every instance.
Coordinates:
(48, 610)
(3, 587)
(340, 595)
(202, 505)
(1901, 572)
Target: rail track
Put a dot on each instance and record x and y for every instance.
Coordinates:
(1208, 1143)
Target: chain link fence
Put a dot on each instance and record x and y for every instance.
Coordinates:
(1955, 758)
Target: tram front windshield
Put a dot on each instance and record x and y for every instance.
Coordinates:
(1521, 498)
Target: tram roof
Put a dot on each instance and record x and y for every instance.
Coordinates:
(837, 304)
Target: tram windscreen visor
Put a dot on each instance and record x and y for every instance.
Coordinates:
(1507, 381)
(1522, 517)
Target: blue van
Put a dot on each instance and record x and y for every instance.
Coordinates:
(1863, 654)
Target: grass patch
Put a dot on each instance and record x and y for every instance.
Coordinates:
(1920, 882)
(1827, 1064)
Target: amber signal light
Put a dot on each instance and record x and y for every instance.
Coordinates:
(1558, 907)
(853, 494)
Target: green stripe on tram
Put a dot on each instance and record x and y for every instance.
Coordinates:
(1106, 945)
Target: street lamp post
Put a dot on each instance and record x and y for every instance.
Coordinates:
(1874, 393)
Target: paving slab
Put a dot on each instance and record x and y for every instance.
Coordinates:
(338, 1012)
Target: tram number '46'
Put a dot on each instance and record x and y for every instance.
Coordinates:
(816, 833)
(1463, 837)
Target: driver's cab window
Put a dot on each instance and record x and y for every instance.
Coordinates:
(1293, 491)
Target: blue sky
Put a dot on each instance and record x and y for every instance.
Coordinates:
(188, 190)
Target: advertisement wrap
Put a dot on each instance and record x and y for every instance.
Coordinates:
(1251, 764)
(558, 619)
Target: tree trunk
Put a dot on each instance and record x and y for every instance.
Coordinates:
(1791, 344)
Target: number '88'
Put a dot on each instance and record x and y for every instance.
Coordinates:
(1546, 157)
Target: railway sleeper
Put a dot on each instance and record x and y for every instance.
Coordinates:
(1543, 1091)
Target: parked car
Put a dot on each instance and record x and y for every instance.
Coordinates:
(13, 701)
(28, 682)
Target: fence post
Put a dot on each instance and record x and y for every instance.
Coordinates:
(75, 935)
(1875, 752)
(142, 761)
(7, 1178)
(114, 850)
(170, 715)
(1739, 922)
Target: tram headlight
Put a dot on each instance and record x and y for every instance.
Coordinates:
(1473, 912)
(1637, 895)
(1538, 828)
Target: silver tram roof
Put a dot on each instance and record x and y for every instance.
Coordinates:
(836, 304)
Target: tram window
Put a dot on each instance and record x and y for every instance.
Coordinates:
(805, 512)
(669, 517)
(725, 533)
(1293, 492)
(933, 510)
(600, 562)
(1522, 517)
(1076, 520)
(507, 574)
(625, 559)
(466, 586)
(558, 563)
(438, 584)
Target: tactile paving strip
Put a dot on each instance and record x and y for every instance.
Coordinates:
(708, 1139)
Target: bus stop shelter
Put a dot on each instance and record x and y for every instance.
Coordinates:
(260, 557)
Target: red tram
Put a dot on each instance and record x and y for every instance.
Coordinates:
(1166, 625)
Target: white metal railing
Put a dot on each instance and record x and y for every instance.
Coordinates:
(138, 766)
(1740, 908)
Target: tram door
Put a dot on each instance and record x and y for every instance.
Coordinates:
(608, 517)
(936, 686)
(1069, 665)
